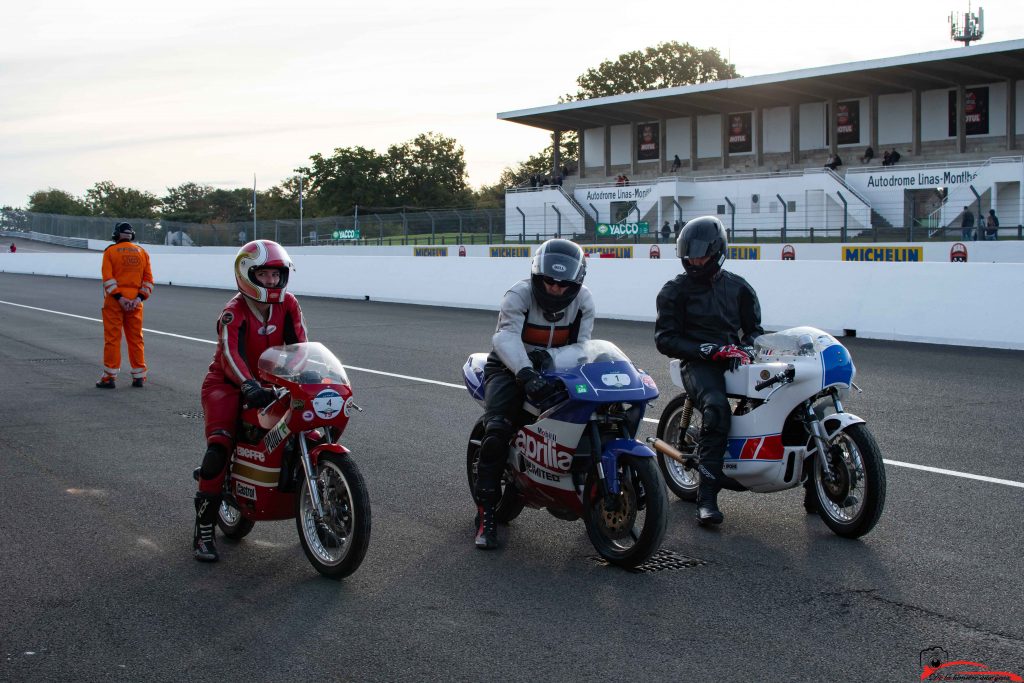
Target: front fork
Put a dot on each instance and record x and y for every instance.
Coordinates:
(311, 479)
(817, 432)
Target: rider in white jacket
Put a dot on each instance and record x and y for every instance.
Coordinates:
(550, 309)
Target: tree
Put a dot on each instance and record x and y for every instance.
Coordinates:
(352, 175)
(230, 206)
(664, 66)
(188, 202)
(428, 171)
(107, 199)
(57, 202)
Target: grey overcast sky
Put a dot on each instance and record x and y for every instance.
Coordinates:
(152, 95)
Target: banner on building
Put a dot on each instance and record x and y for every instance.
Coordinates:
(975, 111)
(648, 145)
(740, 137)
(848, 123)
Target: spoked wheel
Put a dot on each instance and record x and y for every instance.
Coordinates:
(336, 546)
(851, 503)
(231, 522)
(629, 528)
(511, 503)
(682, 480)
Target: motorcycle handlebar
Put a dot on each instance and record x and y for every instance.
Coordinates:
(784, 376)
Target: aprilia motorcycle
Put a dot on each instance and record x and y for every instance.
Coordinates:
(788, 428)
(578, 458)
(289, 462)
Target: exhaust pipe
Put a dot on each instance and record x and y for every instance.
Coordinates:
(665, 448)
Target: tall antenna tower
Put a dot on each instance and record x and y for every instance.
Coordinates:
(968, 26)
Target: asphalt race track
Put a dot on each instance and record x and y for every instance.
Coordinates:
(96, 520)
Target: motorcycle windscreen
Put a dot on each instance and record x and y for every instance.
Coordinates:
(303, 363)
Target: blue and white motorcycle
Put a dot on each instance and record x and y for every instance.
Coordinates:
(788, 428)
(578, 458)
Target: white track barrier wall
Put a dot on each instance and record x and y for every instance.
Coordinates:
(968, 304)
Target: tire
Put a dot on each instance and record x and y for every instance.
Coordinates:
(231, 522)
(681, 480)
(339, 550)
(629, 534)
(511, 503)
(852, 505)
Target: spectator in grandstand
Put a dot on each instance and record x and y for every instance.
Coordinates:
(665, 231)
(565, 171)
(677, 227)
(676, 163)
(869, 154)
(967, 224)
(833, 162)
(625, 179)
(894, 156)
(886, 158)
(992, 226)
(619, 179)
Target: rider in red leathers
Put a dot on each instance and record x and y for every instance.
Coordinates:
(261, 315)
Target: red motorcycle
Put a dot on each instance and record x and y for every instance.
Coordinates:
(289, 463)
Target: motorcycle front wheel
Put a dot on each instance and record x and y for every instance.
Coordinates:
(627, 528)
(336, 546)
(511, 503)
(852, 502)
(682, 481)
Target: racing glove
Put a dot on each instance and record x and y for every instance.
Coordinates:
(537, 387)
(256, 396)
(540, 358)
(731, 355)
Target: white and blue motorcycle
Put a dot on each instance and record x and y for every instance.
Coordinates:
(788, 428)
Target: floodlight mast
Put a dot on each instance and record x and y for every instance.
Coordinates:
(969, 28)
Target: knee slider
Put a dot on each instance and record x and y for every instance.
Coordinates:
(214, 461)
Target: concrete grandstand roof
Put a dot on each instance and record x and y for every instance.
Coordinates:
(939, 69)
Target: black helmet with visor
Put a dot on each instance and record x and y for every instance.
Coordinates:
(704, 236)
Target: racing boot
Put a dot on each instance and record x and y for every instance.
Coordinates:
(207, 504)
(707, 505)
(486, 522)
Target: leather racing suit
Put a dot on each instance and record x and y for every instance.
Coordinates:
(692, 313)
(242, 336)
(522, 327)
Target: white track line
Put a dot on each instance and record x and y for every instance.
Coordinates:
(895, 463)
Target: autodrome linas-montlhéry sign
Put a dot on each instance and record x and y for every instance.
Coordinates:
(921, 179)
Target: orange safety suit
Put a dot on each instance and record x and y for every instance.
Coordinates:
(127, 275)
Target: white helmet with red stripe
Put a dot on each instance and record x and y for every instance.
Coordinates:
(262, 254)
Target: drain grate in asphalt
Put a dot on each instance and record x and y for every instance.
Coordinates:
(192, 414)
(662, 560)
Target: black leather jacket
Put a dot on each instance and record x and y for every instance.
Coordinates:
(691, 313)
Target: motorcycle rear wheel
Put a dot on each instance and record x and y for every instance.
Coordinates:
(852, 504)
(511, 503)
(630, 530)
(231, 522)
(681, 480)
(337, 550)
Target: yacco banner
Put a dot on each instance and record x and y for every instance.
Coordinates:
(509, 252)
(647, 145)
(740, 136)
(848, 122)
(430, 251)
(622, 229)
(975, 111)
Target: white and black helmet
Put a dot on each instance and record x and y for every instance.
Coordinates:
(560, 262)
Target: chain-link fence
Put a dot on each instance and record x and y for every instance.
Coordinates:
(434, 226)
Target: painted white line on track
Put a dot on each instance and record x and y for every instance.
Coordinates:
(895, 463)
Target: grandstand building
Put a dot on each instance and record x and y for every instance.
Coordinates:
(753, 150)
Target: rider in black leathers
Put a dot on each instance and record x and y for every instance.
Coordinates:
(550, 309)
(707, 317)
